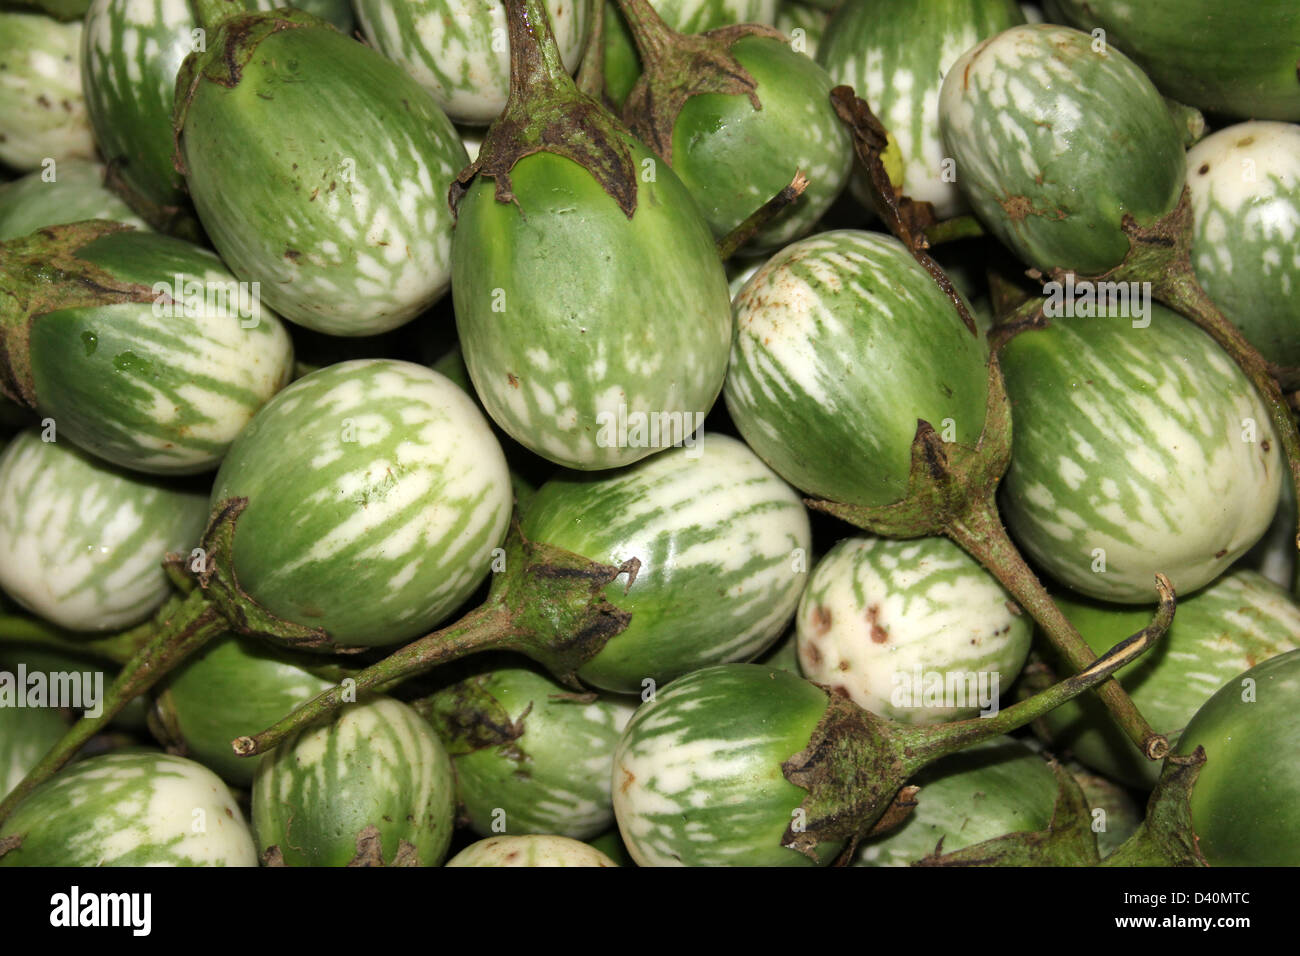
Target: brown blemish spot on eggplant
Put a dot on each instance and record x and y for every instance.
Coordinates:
(821, 619)
(628, 780)
(1204, 168)
(878, 634)
(812, 653)
(510, 377)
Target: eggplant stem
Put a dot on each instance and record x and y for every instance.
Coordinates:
(24, 631)
(185, 629)
(483, 628)
(764, 214)
(980, 533)
(925, 744)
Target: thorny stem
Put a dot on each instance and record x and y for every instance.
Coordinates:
(185, 630)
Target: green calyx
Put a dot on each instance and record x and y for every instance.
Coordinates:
(213, 570)
(1068, 840)
(469, 717)
(41, 273)
(546, 603)
(850, 778)
(679, 66)
(1166, 836)
(236, 41)
(1160, 253)
(546, 112)
(945, 477)
(855, 763)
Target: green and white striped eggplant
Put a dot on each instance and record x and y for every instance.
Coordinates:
(373, 788)
(82, 543)
(1238, 621)
(842, 342)
(913, 631)
(741, 764)
(1139, 447)
(535, 850)
(130, 809)
(40, 92)
(723, 545)
(376, 495)
(163, 381)
(734, 157)
(72, 191)
(566, 307)
(804, 24)
(234, 686)
(1234, 59)
(997, 787)
(131, 51)
(697, 775)
(895, 55)
(1244, 804)
(1056, 139)
(530, 756)
(623, 66)
(319, 168)
(457, 49)
(1245, 191)
(26, 734)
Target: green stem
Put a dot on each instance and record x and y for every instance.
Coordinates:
(855, 762)
(183, 631)
(963, 227)
(547, 603)
(980, 532)
(534, 55)
(591, 75)
(33, 632)
(210, 14)
(759, 219)
(482, 629)
(923, 745)
(653, 37)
